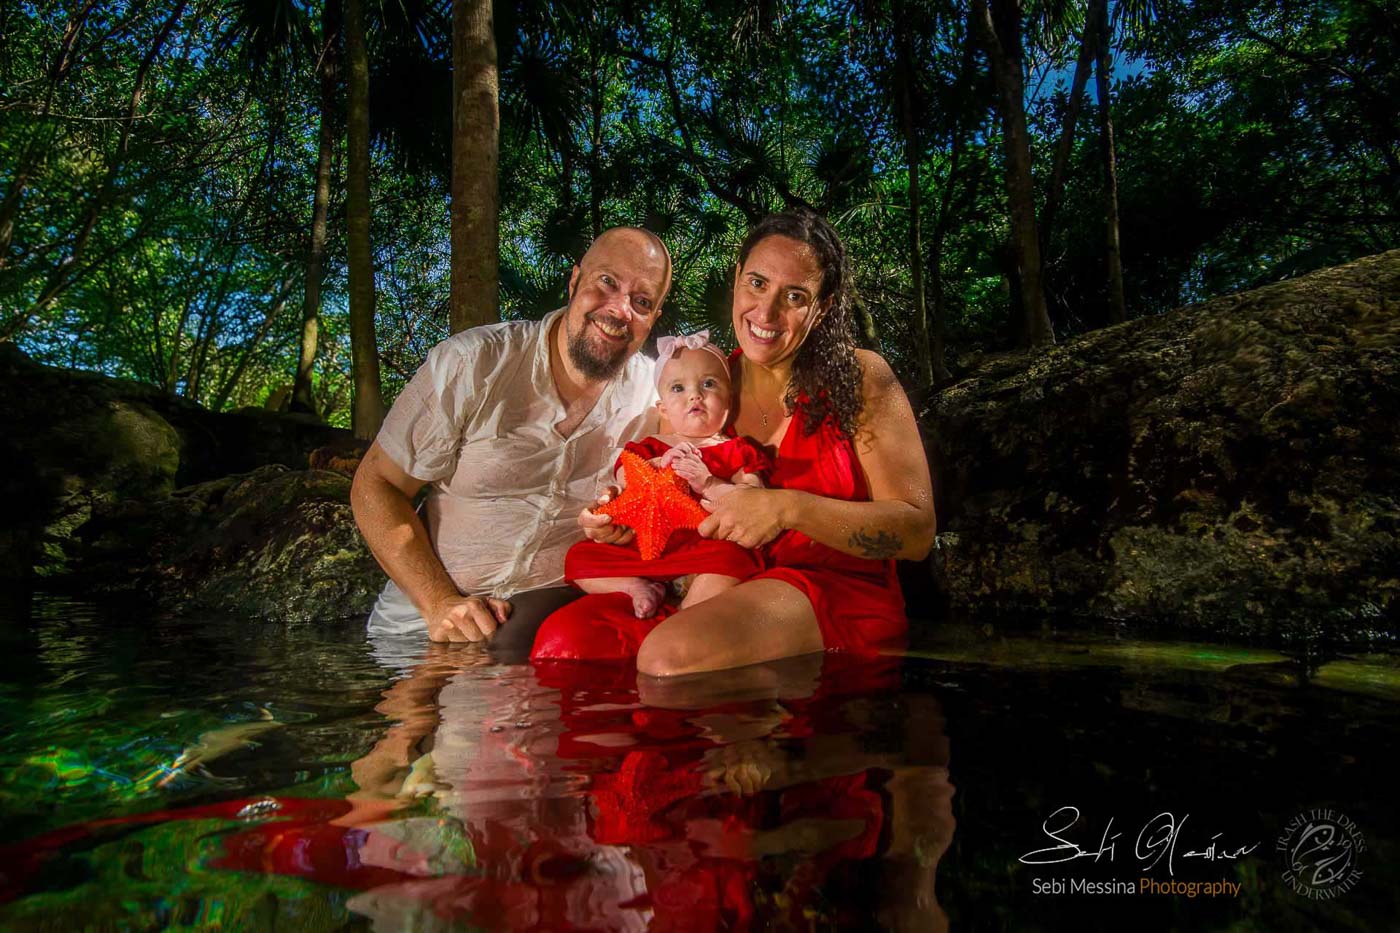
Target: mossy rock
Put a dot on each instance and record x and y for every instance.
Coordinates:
(1230, 468)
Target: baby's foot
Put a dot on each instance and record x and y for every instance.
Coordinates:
(646, 596)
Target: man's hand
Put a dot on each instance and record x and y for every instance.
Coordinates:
(466, 618)
(600, 528)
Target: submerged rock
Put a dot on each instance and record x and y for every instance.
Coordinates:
(271, 544)
(1232, 467)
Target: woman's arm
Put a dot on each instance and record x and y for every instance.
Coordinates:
(898, 521)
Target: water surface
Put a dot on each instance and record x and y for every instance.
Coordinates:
(198, 772)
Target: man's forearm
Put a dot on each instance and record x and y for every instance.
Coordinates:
(399, 541)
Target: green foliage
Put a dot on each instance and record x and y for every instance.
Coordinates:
(1254, 142)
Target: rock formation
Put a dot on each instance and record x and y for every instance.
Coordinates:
(1232, 466)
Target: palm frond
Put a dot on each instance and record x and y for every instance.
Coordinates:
(275, 35)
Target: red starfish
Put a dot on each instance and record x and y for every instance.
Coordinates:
(654, 504)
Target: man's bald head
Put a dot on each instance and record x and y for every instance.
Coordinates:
(642, 243)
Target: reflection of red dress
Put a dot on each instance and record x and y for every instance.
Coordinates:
(857, 600)
(686, 552)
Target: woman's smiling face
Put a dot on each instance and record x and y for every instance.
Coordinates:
(775, 299)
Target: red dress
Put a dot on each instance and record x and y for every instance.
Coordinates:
(686, 552)
(857, 600)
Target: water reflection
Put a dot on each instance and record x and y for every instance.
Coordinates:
(813, 791)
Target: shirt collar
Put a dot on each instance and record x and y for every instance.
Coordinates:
(541, 379)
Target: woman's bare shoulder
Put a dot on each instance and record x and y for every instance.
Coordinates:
(877, 377)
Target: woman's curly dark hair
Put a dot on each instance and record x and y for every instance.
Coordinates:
(825, 370)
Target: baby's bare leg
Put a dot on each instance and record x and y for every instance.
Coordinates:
(646, 594)
(705, 585)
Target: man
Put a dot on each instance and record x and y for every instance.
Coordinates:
(513, 425)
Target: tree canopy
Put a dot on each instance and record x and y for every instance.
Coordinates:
(159, 165)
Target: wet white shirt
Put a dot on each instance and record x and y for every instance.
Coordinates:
(477, 423)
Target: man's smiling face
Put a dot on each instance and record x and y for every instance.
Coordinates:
(615, 296)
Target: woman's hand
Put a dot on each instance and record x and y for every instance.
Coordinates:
(600, 528)
(749, 517)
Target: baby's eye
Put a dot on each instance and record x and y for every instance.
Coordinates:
(711, 383)
(677, 387)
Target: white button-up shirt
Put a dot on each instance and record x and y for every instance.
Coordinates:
(477, 423)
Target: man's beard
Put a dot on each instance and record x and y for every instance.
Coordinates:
(584, 355)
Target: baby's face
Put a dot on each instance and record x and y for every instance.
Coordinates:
(695, 393)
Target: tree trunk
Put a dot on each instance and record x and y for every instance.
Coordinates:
(316, 255)
(904, 79)
(476, 128)
(364, 352)
(1065, 146)
(1002, 39)
(1117, 309)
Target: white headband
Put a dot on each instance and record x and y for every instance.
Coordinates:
(668, 347)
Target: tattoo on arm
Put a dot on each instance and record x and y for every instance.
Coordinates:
(879, 546)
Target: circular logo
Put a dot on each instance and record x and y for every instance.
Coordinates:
(1321, 851)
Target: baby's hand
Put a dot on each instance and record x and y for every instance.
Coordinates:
(691, 468)
(669, 457)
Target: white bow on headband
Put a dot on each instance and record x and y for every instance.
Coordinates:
(667, 347)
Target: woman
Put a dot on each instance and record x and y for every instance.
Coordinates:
(851, 489)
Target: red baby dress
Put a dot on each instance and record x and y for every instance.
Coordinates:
(686, 552)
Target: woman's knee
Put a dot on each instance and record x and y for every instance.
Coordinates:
(662, 654)
(674, 649)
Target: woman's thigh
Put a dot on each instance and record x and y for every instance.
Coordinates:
(760, 620)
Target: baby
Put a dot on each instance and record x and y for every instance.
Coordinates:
(693, 382)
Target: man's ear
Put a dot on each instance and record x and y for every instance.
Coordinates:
(573, 281)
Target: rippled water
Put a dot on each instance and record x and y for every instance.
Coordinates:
(199, 772)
